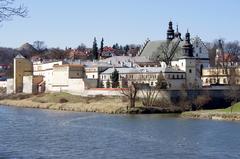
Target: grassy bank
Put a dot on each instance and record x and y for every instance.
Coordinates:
(67, 102)
(231, 113)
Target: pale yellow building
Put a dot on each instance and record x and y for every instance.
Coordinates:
(223, 76)
(22, 67)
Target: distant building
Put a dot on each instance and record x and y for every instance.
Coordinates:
(221, 76)
(175, 79)
(199, 51)
(68, 78)
(45, 69)
(22, 67)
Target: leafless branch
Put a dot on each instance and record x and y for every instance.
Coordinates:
(8, 10)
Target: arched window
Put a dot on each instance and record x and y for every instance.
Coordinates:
(206, 80)
(190, 71)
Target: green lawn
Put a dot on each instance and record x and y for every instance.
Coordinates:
(235, 108)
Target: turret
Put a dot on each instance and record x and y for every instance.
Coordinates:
(187, 47)
(177, 34)
(170, 31)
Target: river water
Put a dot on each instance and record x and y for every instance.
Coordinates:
(46, 134)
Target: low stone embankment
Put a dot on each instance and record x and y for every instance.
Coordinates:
(213, 115)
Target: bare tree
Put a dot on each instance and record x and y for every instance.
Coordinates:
(8, 10)
(39, 46)
(166, 51)
(150, 95)
(233, 47)
(131, 93)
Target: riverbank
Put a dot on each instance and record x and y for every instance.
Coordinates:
(230, 114)
(68, 102)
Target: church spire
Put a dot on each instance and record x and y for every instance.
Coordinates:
(170, 31)
(187, 47)
(177, 34)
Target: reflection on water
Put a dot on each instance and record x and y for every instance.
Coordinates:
(32, 133)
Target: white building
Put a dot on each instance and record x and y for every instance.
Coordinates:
(45, 69)
(68, 78)
(148, 75)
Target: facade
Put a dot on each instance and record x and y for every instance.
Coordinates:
(45, 69)
(175, 78)
(33, 84)
(221, 76)
(22, 67)
(68, 78)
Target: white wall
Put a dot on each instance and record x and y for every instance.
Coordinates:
(60, 76)
(3, 84)
(46, 70)
(27, 84)
(10, 84)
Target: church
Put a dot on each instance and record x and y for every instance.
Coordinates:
(186, 54)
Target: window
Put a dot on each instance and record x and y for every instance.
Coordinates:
(177, 76)
(206, 80)
(190, 71)
(224, 80)
(173, 76)
(151, 83)
(169, 85)
(182, 76)
(93, 76)
(200, 50)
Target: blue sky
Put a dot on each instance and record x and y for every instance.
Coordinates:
(62, 23)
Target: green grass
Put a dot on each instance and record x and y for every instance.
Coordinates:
(235, 108)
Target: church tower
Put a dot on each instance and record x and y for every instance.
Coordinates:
(170, 31)
(187, 47)
(188, 63)
(177, 34)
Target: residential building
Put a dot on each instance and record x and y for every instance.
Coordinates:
(221, 76)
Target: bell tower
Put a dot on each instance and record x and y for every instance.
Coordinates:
(188, 63)
(187, 47)
(170, 31)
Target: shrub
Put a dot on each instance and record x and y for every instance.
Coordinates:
(63, 100)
